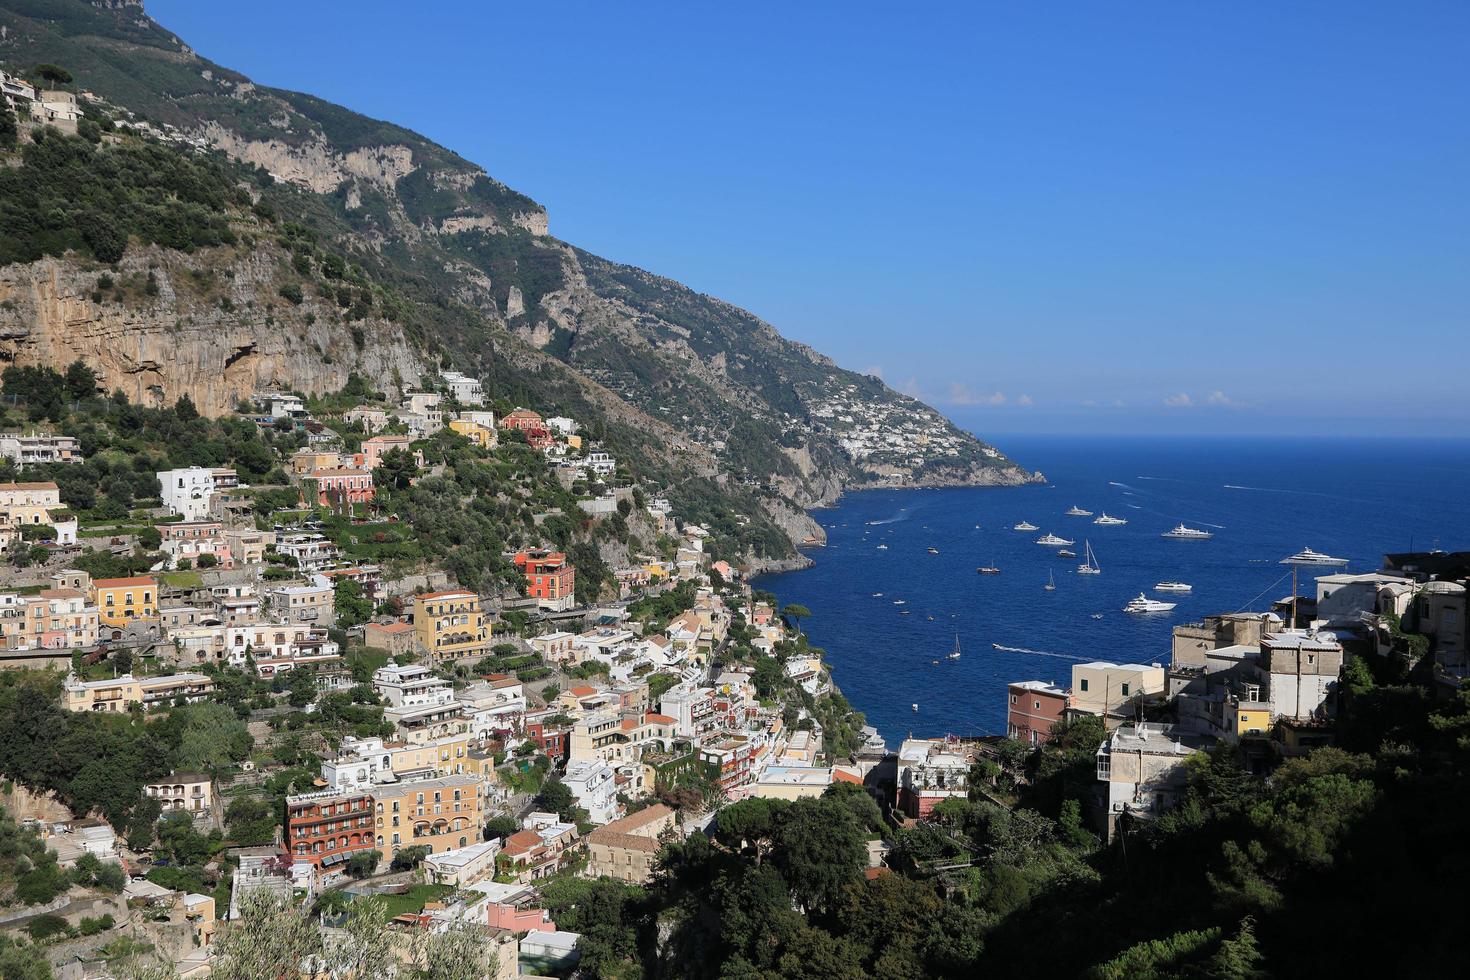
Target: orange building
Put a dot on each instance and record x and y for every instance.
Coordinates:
(328, 827)
(550, 578)
(122, 600)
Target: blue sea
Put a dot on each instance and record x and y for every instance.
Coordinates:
(1264, 499)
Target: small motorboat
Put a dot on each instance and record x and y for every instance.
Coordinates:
(1066, 553)
(933, 551)
(988, 570)
(900, 602)
(883, 547)
(915, 706)
(1097, 616)
(877, 595)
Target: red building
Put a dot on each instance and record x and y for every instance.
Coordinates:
(328, 827)
(554, 741)
(341, 486)
(1032, 708)
(733, 756)
(549, 576)
(530, 424)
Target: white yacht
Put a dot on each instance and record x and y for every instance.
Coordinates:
(1052, 541)
(1051, 583)
(1090, 566)
(1143, 604)
(883, 547)
(1309, 557)
(1075, 511)
(1173, 587)
(1103, 518)
(1025, 526)
(1188, 534)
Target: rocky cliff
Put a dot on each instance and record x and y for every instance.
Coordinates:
(680, 384)
(210, 325)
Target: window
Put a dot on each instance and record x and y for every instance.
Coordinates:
(1125, 690)
(1084, 683)
(1036, 705)
(1013, 699)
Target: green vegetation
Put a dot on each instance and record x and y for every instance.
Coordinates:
(69, 194)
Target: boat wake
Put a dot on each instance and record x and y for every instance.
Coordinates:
(1038, 653)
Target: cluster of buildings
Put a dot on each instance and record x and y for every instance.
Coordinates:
(43, 107)
(1267, 682)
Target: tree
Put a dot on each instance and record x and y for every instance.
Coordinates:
(796, 613)
(9, 132)
(81, 381)
(396, 469)
(820, 850)
(363, 863)
(464, 951)
(409, 858)
(499, 827)
(302, 687)
(122, 659)
(353, 608)
(556, 798)
(272, 938)
(212, 736)
(54, 74)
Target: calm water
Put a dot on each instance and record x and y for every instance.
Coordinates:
(1262, 499)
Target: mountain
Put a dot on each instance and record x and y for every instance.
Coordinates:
(447, 267)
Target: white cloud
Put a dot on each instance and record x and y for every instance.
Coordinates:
(1180, 400)
(911, 388)
(1119, 403)
(1219, 398)
(1025, 400)
(1089, 403)
(962, 394)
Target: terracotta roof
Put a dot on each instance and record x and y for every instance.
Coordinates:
(632, 842)
(28, 486)
(340, 471)
(636, 821)
(122, 583)
(659, 719)
(582, 691)
(392, 627)
(842, 776)
(522, 841)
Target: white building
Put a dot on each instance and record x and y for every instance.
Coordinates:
(464, 389)
(594, 784)
(187, 491)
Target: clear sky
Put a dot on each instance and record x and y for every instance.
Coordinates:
(1144, 216)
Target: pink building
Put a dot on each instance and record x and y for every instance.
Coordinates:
(343, 486)
(1032, 708)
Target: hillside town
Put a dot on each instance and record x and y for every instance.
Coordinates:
(451, 748)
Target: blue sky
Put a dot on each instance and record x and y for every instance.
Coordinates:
(1151, 216)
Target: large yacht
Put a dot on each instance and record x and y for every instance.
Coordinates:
(1309, 557)
(1052, 541)
(1188, 533)
(1076, 511)
(1143, 604)
(1173, 587)
(1103, 518)
(1025, 526)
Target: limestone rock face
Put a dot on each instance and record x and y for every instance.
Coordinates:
(211, 326)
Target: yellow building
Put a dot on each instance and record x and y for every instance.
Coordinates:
(474, 432)
(120, 601)
(443, 756)
(441, 814)
(1252, 719)
(120, 693)
(449, 625)
(28, 503)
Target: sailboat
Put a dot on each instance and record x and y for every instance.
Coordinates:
(1089, 567)
(1051, 584)
(955, 653)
